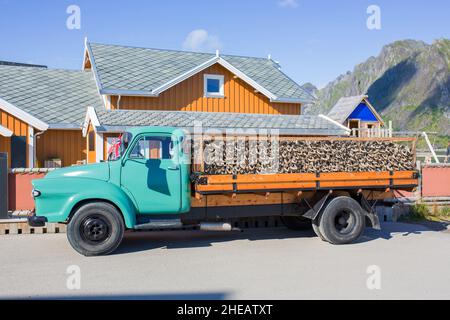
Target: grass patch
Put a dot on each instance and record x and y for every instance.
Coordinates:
(420, 211)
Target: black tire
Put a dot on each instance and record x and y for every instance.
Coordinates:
(296, 223)
(96, 229)
(342, 221)
(315, 226)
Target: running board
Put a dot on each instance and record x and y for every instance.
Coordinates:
(157, 224)
(161, 224)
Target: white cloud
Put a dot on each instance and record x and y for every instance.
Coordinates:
(288, 3)
(200, 40)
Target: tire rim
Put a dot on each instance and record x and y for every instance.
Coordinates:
(95, 229)
(344, 221)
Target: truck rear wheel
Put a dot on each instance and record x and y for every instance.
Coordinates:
(342, 221)
(315, 226)
(296, 223)
(95, 229)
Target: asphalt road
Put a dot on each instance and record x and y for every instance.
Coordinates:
(412, 261)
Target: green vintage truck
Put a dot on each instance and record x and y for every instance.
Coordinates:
(152, 185)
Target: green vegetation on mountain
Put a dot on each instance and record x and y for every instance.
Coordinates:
(408, 83)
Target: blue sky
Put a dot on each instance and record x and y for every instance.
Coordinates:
(314, 40)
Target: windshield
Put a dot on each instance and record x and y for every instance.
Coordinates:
(119, 146)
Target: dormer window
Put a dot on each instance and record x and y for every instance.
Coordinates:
(213, 86)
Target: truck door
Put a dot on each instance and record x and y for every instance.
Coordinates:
(152, 174)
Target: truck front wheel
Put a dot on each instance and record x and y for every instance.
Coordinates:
(95, 229)
(342, 221)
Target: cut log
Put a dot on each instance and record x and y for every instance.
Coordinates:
(305, 156)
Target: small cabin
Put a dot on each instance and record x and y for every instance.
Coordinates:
(357, 114)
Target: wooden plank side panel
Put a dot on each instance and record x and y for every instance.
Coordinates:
(67, 145)
(221, 200)
(293, 177)
(285, 197)
(307, 181)
(188, 95)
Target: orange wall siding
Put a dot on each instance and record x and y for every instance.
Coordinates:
(5, 146)
(189, 96)
(18, 127)
(91, 155)
(67, 145)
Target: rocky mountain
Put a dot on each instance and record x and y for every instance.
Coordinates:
(408, 83)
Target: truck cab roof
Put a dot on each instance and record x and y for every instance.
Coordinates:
(156, 129)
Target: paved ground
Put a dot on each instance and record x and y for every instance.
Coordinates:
(413, 260)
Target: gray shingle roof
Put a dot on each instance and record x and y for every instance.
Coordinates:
(344, 107)
(143, 69)
(20, 64)
(111, 120)
(56, 97)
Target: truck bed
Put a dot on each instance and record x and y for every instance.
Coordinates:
(247, 183)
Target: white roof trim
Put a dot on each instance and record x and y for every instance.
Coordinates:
(22, 115)
(376, 114)
(88, 51)
(85, 54)
(247, 79)
(186, 75)
(91, 116)
(5, 132)
(335, 122)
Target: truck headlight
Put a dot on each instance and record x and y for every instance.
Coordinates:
(35, 193)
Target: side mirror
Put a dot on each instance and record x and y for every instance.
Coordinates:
(171, 148)
(126, 139)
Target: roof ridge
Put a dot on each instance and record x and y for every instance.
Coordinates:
(148, 48)
(177, 50)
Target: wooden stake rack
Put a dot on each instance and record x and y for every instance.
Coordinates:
(216, 184)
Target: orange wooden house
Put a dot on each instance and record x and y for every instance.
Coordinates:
(132, 79)
(41, 115)
(44, 117)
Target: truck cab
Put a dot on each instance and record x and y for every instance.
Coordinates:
(148, 178)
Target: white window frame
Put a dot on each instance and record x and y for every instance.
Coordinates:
(219, 94)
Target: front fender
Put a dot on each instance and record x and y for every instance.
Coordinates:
(59, 197)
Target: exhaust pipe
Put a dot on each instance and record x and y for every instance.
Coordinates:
(217, 226)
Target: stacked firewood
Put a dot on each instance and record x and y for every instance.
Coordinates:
(305, 156)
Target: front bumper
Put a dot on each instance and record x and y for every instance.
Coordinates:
(35, 221)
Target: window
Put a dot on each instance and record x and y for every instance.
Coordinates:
(91, 139)
(213, 86)
(18, 151)
(153, 148)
